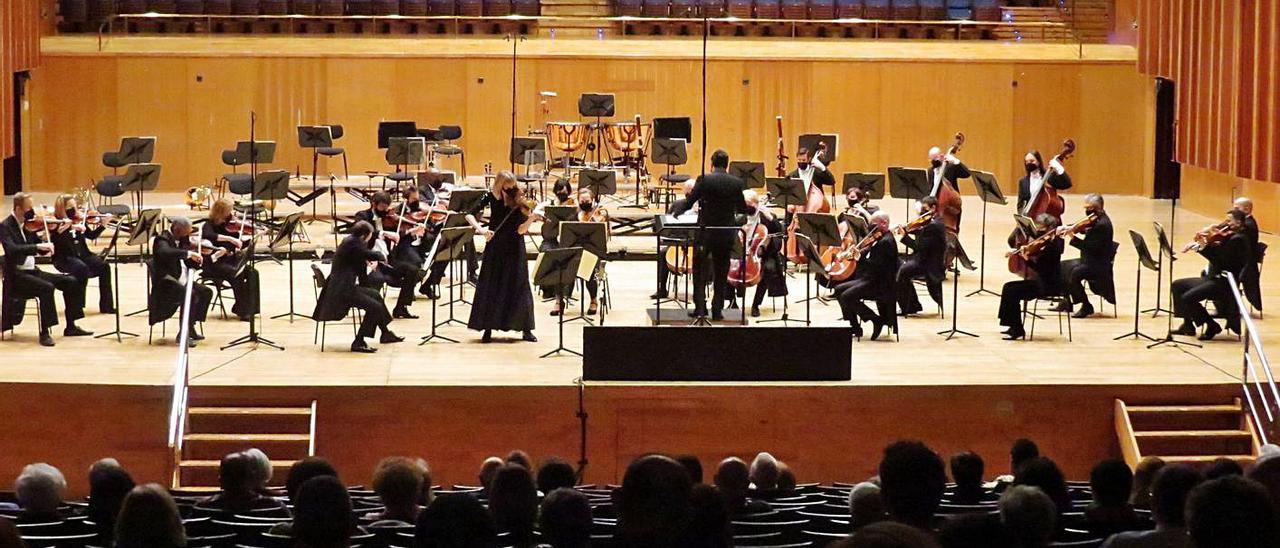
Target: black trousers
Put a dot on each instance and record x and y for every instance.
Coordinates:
(201, 298)
(712, 266)
(1076, 272)
(852, 293)
(39, 285)
(376, 314)
(1189, 295)
(908, 301)
(244, 287)
(1011, 297)
(84, 269)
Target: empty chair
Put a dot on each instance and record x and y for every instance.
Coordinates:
(875, 9)
(497, 8)
(768, 9)
(413, 8)
(933, 10)
(237, 183)
(795, 9)
(986, 10)
(386, 7)
(904, 10)
(217, 7)
(627, 8)
(446, 147)
(655, 8)
(822, 9)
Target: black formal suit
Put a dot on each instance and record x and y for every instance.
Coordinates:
(21, 284)
(343, 289)
(1047, 281)
(1251, 278)
(952, 173)
(874, 279)
(1097, 257)
(168, 256)
(719, 198)
(405, 259)
(1058, 181)
(71, 256)
(1231, 255)
(773, 279)
(664, 273)
(928, 261)
(243, 286)
(821, 177)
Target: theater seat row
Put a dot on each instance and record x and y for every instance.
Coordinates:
(80, 11)
(900, 10)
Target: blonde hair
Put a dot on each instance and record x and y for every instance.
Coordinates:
(221, 210)
(500, 183)
(60, 204)
(22, 197)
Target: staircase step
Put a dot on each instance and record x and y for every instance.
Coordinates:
(215, 464)
(1148, 418)
(248, 437)
(1196, 460)
(249, 420)
(200, 474)
(1191, 434)
(250, 411)
(1194, 442)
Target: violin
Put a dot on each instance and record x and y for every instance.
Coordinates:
(235, 224)
(43, 222)
(1020, 258)
(915, 225)
(1210, 236)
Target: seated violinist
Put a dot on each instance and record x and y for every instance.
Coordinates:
(927, 260)
(225, 230)
(873, 279)
(773, 280)
(420, 212)
(403, 259)
(170, 249)
(71, 252)
(1043, 276)
(344, 290)
(1226, 246)
(589, 211)
(1097, 255)
(1252, 277)
(22, 280)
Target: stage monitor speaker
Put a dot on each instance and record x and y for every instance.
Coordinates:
(667, 353)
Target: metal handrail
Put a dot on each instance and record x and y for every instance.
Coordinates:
(1255, 358)
(182, 377)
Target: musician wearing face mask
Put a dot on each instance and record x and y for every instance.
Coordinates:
(1252, 277)
(589, 211)
(664, 272)
(811, 170)
(343, 290)
(395, 238)
(23, 280)
(927, 260)
(773, 281)
(1229, 253)
(720, 196)
(1038, 177)
(170, 250)
(71, 252)
(945, 171)
(503, 299)
(1097, 255)
(224, 230)
(1043, 277)
(873, 279)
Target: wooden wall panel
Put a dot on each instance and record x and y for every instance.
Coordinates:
(887, 113)
(21, 25)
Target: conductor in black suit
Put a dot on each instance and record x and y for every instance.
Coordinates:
(927, 260)
(719, 198)
(1097, 255)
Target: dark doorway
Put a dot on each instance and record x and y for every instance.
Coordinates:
(1168, 172)
(13, 164)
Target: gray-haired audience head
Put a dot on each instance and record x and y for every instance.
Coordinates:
(180, 226)
(764, 472)
(489, 469)
(865, 505)
(263, 469)
(39, 489)
(1028, 515)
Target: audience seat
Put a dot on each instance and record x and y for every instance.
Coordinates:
(822, 9)
(442, 7)
(933, 10)
(876, 9)
(628, 8)
(986, 10)
(274, 7)
(741, 9)
(131, 6)
(497, 8)
(303, 7)
(244, 7)
(191, 7)
(684, 8)
(330, 8)
(385, 7)
(768, 9)
(904, 10)
(959, 9)
(795, 9)
(217, 7)
(471, 8)
(849, 9)
(162, 6)
(713, 8)
(530, 8)
(655, 8)
(414, 8)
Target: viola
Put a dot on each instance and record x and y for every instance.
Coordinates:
(915, 225)
(1210, 236)
(1020, 258)
(748, 273)
(844, 263)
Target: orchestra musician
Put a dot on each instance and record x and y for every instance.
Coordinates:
(71, 254)
(1097, 256)
(873, 279)
(589, 211)
(945, 171)
(811, 170)
(773, 280)
(859, 205)
(344, 289)
(503, 299)
(403, 258)
(562, 192)
(927, 260)
(1038, 176)
(1227, 250)
(1252, 277)
(25, 281)
(224, 229)
(170, 249)
(664, 272)
(719, 195)
(435, 191)
(1043, 278)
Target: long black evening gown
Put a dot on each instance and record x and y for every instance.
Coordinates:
(503, 300)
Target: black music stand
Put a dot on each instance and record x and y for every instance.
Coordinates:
(786, 192)
(1165, 250)
(908, 183)
(149, 221)
(989, 192)
(751, 173)
(464, 199)
(673, 128)
(285, 236)
(592, 237)
(267, 185)
(680, 235)
(819, 230)
(871, 184)
(598, 106)
(958, 257)
(137, 150)
(552, 216)
(403, 152)
(140, 179)
(601, 183)
(113, 250)
(315, 138)
(447, 247)
(1144, 261)
(559, 267)
(388, 130)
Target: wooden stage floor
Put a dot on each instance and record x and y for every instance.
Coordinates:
(921, 358)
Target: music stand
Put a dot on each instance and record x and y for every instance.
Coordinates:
(388, 130)
(989, 191)
(909, 183)
(140, 178)
(592, 237)
(113, 250)
(267, 185)
(148, 224)
(552, 216)
(787, 192)
(598, 106)
(819, 230)
(858, 224)
(673, 128)
(447, 247)
(871, 184)
(751, 173)
(1165, 250)
(958, 257)
(601, 182)
(315, 138)
(405, 151)
(527, 151)
(559, 267)
(464, 199)
(1144, 261)
(137, 150)
(285, 236)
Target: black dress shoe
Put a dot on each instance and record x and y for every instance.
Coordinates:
(46, 339)
(73, 331)
(857, 330)
(194, 335)
(717, 316)
(1084, 312)
(245, 317)
(876, 327)
(403, 314)
(529, 337)
(697, 313)
(556, 312)
(1211, 330)
(487, 337)
(107, 310)
(362, 347)
(755, 312)
(661, 294)
(1015, 333)
(1187, 329)
(390, 338)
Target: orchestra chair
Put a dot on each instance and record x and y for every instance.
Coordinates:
(671, 153)
(13, 308)
(115, 159)
(237, 183)
(334, 151)
(218, 286)
(109, 188)
(445, 146)
(318, 280)
(1051, 301)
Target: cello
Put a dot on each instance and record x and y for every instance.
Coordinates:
(1048, 200)
(747, 273)
(949, 202)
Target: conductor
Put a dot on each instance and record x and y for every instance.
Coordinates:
(718, 196)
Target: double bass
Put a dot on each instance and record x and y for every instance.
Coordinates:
(815, 202)
(1048, 200)
(949, 201)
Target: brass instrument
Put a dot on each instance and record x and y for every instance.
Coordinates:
(198, 198)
